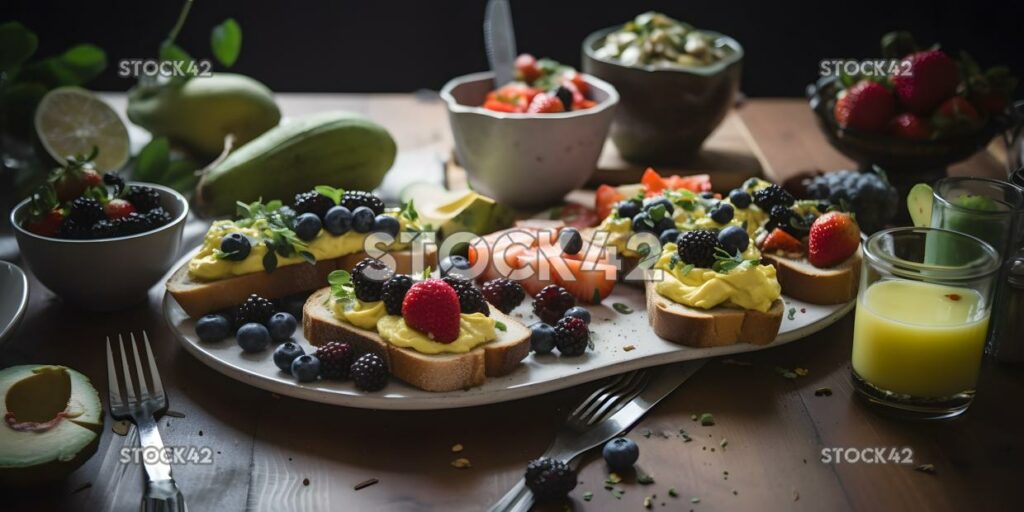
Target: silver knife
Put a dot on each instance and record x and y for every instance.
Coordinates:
(664, 383)
(500, 41)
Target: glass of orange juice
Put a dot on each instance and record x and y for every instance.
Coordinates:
(921, 321)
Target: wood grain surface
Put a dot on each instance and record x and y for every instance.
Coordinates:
(763, 452)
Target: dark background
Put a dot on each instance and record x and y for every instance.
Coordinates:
(404, 45)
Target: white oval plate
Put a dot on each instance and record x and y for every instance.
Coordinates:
(13, 298)
(537, 374)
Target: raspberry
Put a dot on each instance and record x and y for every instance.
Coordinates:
(335, 359)
(353, 199)
(552, 302)
(432, 307)
(312, 202)
(549, 479)
(698, 247)
(369, 372)
(254, 309)
(470, 298)
(368, 278)
(142, 198)
(571, 336)
(771, 196)
(504, 293)
(393, 293)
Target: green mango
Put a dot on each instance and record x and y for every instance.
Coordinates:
(340, 149)
(199, 113)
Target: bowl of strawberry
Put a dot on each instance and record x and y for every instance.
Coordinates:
(529, 142)
(930, 110)
(97, 241)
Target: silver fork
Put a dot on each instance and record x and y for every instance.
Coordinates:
(577, 435)
(161, 493)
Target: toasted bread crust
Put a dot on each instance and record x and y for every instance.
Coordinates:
(198, 298)
(713, 327)
(440, 372)
(803, 281)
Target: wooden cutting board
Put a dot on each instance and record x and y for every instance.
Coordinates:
(729, 155)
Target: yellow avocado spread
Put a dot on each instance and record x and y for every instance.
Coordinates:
(363, 315)
(748, 286)
(475, 329)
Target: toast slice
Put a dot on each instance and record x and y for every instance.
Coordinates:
(713, 327)
(198, 298)
(803, 281)
(439, 372)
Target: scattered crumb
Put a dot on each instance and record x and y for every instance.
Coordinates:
(693, 417)
(305, 482)
(461, 463)
(737, 362)
(366, 483)
(672, 492)
(694, 500)
(707, 419)
(121, 427)
(926, 468)
(646, 433)
(823, 392)
(802, 372)
(627, 348)
(647, 502)
(723, 444)
(613, 478)
(174, 414)
(796, 495)
(456, 448)
(587, 496)
(200, 433)
(643, 479)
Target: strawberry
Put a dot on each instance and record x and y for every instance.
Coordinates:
(605, 198)
(48, 224)
(117, 208)
(910, 126)
(956, 110)
(654, 183)
(833, 238)
(577, 80)
(90, 177)
(545, 103)
(924, 80)
(865, 106)
(780, 241)
(432, 307)
(590, 282)
(526, 68)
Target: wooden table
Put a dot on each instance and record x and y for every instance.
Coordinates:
(764, 451)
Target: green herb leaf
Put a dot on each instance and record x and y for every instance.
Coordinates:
(657, 212)
(686, 269)
(334, 193)
(226, 42)
(409, 212)
(221, 255)
(643, 479)
(84, 62)
(153, 161)
(308, 256)
(792, 314)
(341, 285)
(499, 325)
(622, 308)
(17, 44)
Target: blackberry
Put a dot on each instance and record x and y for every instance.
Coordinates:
(773, 195)
(549, 479)
(504, 293)
(368, 277)
(312, 202)
(142, 198)
(571, 336)
(551, 302)
(132, 224)
(254, 309)
(369, 372)
(789, 221)
(157, 217)
(335, 359)
(353, 199)
(105, 229)
(86, 211)
(393, 293)
(116, 181)
(470, 298)
(69, 228)
(698, 247)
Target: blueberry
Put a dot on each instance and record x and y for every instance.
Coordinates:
(734, 239)
(307, 226)
(281, 326)
(655, 201)
(285, 353)
(253, 337)
(338, 220)
(362, 219)
(628, 209)
(570, 240)
(565, 95)
(235, 246)
(542, 338)
(740, 198)
(642, 222)
(579, 312)
(669, 236)
(707, 195)
(663, 225)
(454, 264)
(723, 214)
(306, 367)
(620, 453)
(386, 224)
(212, 328)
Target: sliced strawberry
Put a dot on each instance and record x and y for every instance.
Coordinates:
(117, 208)
(534, 272)
(605, 199)
(653, 182)
(833, 238)
(779, 241)
(545, 103)
(583, 104)
(577, 79)
(591, 282)
(501, 106)
(693, 183)
(526, 68)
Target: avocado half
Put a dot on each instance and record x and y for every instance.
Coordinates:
(52, 421)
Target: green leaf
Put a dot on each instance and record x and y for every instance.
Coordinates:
(308, 257)
(226, 42)
(17, 44)
(171, 52)
(339, 278)
(84, 61)
(622, 308)
(153, 161)
(499, 325)
(687, 268)
(334, 193)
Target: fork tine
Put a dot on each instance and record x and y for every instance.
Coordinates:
(610, 405)
(158, 387)
(113, 388)
(143, 388)
(609, 394)
(612, 382)
(129, 388)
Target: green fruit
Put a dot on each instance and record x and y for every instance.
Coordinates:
(457, 211)
(59, 418)
(979, 203)
(919, 203)
(200, 112)
(339, 149)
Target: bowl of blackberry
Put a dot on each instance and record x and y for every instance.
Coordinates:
(97, 241)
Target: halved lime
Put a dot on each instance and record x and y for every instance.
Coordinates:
(70, 121)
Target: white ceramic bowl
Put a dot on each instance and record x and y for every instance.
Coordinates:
(105, 274)
(526, 160)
